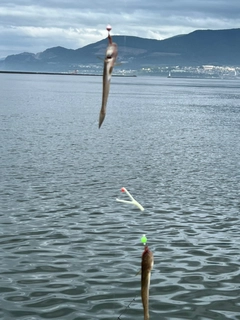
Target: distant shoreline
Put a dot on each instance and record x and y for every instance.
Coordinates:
(64, 73)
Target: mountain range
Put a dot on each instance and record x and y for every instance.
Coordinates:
(201, 47)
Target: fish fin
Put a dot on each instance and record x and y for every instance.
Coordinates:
(139, 272)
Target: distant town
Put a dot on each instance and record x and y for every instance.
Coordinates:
(204, 71)
(201, 72)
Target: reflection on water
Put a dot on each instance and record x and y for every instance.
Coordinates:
(69, 250)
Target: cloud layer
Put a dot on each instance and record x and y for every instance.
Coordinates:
(33, 25)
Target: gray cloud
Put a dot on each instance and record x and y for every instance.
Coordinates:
(33, 25)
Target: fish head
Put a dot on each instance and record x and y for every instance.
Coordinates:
(110, 58)
(111, 53)
(147, 258)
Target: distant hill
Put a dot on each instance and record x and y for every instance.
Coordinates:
(216, 47)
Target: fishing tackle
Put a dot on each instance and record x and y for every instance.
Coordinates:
(119, 317)
(133, 201)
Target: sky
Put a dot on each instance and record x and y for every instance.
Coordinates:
(35, 25)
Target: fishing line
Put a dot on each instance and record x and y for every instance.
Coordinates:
(119, 317)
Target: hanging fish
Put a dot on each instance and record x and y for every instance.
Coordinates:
(147, 265)
(109, 62)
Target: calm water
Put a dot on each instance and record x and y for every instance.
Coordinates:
(68, 249)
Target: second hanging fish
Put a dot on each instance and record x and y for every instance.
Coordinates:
(109, 61)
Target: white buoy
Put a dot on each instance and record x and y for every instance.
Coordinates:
(109, 28)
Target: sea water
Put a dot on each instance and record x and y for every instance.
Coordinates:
(68, 249)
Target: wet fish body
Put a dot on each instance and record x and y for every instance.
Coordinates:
(147, 265)
(109, 62)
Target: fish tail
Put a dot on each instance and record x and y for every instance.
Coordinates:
(145, 297)
(101, 118)
(146, 317)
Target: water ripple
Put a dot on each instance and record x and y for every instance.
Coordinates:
(69, 250)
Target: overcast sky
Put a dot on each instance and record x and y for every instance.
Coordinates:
(35, 25)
